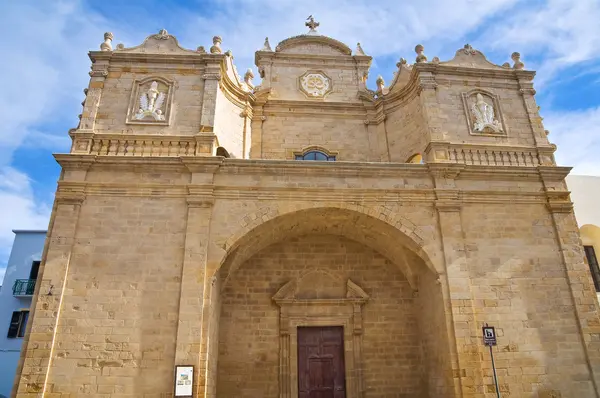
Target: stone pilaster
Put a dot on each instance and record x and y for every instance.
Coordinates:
(189, 327)
(211, 76)
(37, 356)
(98, 75)
(581, 287)
(456, 287)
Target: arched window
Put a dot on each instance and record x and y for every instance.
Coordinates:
(315, 155)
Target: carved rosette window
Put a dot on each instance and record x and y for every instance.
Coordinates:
(483, 113)
(315, 84)
(320, 299)
(151, 101)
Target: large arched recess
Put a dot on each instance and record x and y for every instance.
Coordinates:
(415, 251)
(395, 237)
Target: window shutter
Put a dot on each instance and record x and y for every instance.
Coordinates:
(13, 329)
(23, 323)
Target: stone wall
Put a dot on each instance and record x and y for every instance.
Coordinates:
(518, 284)
(119, 309)
(282, 135)
(229, 126)
(406, 130)
(116, 94)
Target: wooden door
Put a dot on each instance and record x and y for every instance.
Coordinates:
(321, 372)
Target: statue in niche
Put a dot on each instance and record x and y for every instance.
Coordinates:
(484, 116)
(150, 103)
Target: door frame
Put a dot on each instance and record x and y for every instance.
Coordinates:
(345, 312)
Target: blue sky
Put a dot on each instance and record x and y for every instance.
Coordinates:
(45, 64)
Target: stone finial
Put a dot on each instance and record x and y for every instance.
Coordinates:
(216, 47)
(229, 53)
(435, 60)
(359, 50)
(267, 45)
(506, 65)
(380, 83)
(420, 56)
(248, 76)
(401, 63)
(201, 50)
(162, 35)
(312, 25)
(516, 57)
(106, 45)
(120, 46)
(469, 50)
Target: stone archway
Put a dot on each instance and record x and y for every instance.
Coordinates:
(386, 241)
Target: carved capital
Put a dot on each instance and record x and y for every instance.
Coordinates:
(201, 202)
(69, 198)
(527, 91)
(212, 76)
(98, 73)
(560, 207)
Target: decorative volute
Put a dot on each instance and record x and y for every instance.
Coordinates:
(470, 58)
(160, 43)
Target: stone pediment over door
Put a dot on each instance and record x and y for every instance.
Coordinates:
(320, 299)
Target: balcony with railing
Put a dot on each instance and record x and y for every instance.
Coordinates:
(24, 287)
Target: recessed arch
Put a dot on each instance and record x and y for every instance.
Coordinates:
(416, 158)
(396, 238)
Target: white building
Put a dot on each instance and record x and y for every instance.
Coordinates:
(15, 301)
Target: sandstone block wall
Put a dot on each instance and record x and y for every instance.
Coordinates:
(116, 94)
(119, 310)
(249, 332)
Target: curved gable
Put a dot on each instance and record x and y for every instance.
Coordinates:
(308, 44)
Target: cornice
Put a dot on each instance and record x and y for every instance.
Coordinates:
(338, 168)
(554, 173)
(223, 166)
(268, 57)
(205, 195)
(442, 69)
(156, 58)
(342, 109)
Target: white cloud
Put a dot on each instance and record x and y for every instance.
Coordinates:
(577, 135)
(19, 208)
(560, 33)
(387, 27)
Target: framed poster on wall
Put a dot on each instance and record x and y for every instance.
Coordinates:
(184, 380)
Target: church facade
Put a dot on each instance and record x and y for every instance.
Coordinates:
(306, 236)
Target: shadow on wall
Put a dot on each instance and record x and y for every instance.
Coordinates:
(222, 152)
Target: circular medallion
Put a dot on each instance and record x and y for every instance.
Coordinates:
(315, 84)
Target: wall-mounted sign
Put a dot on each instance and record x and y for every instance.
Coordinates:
(489, 335)
(184, 380)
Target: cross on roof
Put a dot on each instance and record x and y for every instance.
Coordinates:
(312, 25)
